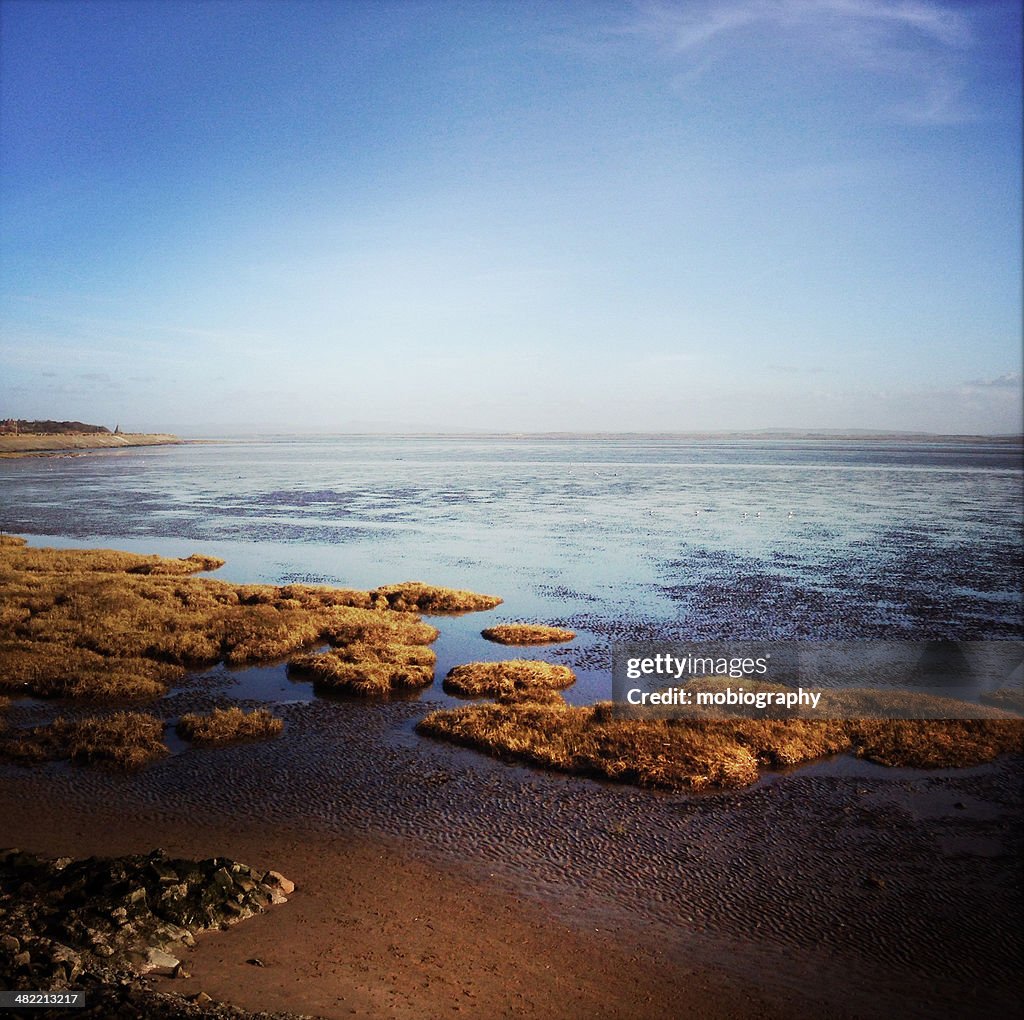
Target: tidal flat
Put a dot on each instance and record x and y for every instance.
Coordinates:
(145, 621)
(335, 769)
(815, 893)
(429, 875)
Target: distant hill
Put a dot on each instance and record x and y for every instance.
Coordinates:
(13, 426)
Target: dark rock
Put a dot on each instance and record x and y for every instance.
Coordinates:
(158, 959)
(163, 872)
(97, 924)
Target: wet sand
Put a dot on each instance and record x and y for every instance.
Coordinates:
(373, 930)
(433, 880)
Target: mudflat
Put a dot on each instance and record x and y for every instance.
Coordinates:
(375, 930)
(432, 880)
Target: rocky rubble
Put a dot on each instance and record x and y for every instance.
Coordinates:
(98, 924)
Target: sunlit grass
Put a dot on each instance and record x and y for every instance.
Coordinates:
(368, 669)
(48, 669)
(415, 596)
(504, 679)
(226, 725)
(96, 623)
(1010, 699)
(124, 740)
(106, 625)
(527, 634)
(709, 752)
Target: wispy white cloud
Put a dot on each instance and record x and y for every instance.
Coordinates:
(919, 43)
(686, 26)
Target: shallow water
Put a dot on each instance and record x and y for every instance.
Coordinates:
(621, 538)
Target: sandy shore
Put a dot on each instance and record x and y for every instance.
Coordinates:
(16, 446)
(374, 930)
(433, 880)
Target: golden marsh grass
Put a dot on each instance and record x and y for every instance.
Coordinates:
(1009, 699)
(504, 679)
(527, 634)
(696, 754)
(96, 623)
(368, 669)
(124, 740)
(226, 725)
(415, 596)
(105, 625)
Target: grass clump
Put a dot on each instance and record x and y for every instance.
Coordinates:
(415, 596)
(527, 634)
(663, 753)
(48, 669)
(935, 743)
(224, 725)
(368, 669)
(125, 740)
(677, 754)
(109, 561)
(96, 623)
(1009, 699)
(883, 704)
(508, 679)
(364, 628)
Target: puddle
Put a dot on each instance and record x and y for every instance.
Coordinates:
(266, 683)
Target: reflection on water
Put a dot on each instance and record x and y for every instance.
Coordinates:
(628, 539)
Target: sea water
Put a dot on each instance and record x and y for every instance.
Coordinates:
(622, 539)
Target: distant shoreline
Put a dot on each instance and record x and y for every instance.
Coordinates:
(766, 435)
(783, 435)
(39, 445)
(44, 444)
(758, 435)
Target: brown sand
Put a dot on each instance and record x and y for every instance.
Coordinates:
(374, 931)
(431, 877)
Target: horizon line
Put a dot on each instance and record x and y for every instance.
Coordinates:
(780, 433)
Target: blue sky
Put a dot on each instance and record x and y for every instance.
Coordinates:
(719, 214)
